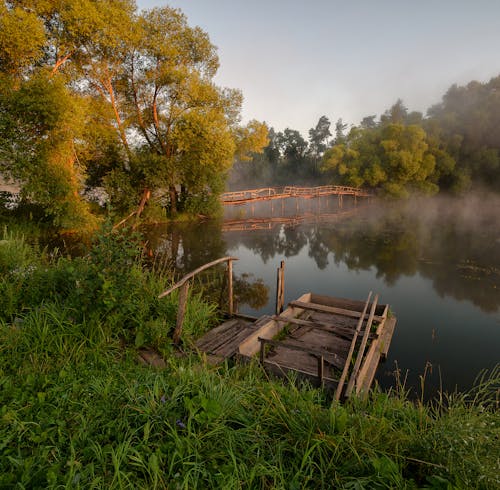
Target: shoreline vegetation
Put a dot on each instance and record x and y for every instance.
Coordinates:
(78, 410)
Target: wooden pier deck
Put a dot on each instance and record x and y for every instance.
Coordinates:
(333, 342)
(272, 193)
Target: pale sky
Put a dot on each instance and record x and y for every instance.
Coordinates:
(296, 60)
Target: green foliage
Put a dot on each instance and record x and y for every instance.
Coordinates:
(38, 122)
(467, 122)
(393, 157)
(105, 293)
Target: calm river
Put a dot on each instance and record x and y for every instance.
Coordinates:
(436, 262)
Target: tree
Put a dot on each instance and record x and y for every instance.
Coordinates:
(318, 137)
(40, 122)
(396, 158)
(467, 122)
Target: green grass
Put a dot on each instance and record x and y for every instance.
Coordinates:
(77, 411)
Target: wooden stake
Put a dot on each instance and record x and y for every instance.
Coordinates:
(321, 369)
(181, 311)
(230, 285)
(280, 288)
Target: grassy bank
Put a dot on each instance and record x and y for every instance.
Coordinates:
(79, 412)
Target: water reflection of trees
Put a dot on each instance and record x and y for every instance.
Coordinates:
(181, 248)
(460, 254)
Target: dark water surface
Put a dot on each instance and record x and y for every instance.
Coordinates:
(436, 262)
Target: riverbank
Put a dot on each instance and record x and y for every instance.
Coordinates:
(78, 410)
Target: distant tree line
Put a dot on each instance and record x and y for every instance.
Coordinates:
(94, 92)
(455, 146)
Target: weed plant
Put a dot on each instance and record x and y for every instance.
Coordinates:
(77, 411)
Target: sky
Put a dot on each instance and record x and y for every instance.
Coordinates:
(296, 60)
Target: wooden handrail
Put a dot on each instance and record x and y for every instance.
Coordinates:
(193, 273)
(183, 284)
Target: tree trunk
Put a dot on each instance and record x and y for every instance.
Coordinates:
(146, 194)
(173, 200)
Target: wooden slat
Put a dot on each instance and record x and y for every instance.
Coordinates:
(345, 332)
(330, 357)
(361, 351)
(283, 369)
(216, 333)
(330, 309)
(386, 337)
(345, 303)
(340, 386)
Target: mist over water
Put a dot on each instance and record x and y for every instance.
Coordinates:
(435, 261)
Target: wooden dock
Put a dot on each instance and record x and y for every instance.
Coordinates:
(332, 342)
(335, 343)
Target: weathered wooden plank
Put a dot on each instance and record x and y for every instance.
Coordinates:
(230, 286)
(386, 336)
(361, 350)
(338, 320)
(331, 357)
(330, 309)
(224, 341)
(231, 347)
(321, 339)
(345, 370)
(282, 371)
(268, 329)
(345, 332)
(345, 303)
(367, 372)
(302, 361)
(216, 333)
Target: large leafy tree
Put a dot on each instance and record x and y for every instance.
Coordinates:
(151, 114)
(393, 157)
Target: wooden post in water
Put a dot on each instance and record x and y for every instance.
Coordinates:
(181, 311)
(230, 286)
(280, 288)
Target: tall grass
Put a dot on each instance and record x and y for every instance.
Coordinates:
(119, 425)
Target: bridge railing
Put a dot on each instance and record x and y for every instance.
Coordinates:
(291, 191)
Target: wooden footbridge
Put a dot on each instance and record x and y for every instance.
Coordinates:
(272, 193)
(335, 343)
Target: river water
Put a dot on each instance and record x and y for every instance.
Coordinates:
(436, 262)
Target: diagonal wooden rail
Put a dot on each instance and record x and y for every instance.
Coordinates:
(183, 285)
